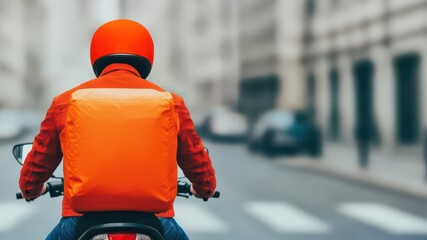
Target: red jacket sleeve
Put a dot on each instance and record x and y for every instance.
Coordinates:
(44, 157)
(192, 157)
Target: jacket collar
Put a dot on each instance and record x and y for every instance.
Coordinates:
(119, 66)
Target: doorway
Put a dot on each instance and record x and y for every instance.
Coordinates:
(407, 98)
(366, 128)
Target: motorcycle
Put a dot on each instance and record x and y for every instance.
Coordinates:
(123, 225)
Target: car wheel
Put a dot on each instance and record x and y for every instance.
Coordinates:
(267, 144)
(253, 146)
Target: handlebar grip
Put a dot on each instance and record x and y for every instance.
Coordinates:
(184, 188)
(216, 194)
(19, 196)
(55, 188)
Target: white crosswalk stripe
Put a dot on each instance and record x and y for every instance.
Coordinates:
(285, 218)
(11, 214)
(280, 217)
(197, 218)
(384, 217)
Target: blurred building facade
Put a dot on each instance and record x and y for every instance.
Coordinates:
(201, 55)
(270, 52)
(349, 63)
(45, 47)
(259, 83)
(194, 48)
(12, 48)
(345, 61)
(364, 62)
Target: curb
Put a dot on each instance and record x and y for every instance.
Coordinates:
(360, 175)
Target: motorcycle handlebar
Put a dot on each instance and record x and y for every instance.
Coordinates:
(184, 188)
(56, 188)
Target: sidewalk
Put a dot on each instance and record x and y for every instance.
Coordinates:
(403, 170)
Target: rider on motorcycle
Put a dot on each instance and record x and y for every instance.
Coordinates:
(121, 55)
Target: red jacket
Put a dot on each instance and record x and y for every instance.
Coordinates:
(46, 154)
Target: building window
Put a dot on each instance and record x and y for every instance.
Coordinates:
(201, 23)
(310, 8)
(258, 95)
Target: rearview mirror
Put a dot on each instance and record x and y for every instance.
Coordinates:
(20, 151)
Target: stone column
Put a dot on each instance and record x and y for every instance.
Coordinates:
(346, 98)
(323, 95)
(289, 35)
(384, 108)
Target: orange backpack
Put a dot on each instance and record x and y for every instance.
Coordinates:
(120, 150)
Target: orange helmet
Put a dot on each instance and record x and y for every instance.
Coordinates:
(122, 41)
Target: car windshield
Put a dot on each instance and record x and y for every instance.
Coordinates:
(280, 120)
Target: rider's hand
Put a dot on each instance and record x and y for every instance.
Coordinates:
(198, 195)
(34, 196)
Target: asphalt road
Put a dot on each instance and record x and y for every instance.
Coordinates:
(260, 199)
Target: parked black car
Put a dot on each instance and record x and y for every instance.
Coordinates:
(282, 131)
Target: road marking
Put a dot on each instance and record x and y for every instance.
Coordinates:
(285, 218)
(13, 213)
(195, 218)
(384, 217)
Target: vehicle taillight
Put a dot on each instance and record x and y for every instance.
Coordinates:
(121, 236)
